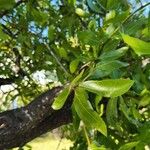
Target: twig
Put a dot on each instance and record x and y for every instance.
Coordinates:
(57, 60)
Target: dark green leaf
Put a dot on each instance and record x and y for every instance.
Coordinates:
(111, 55)
(105, 68)
(94, 7)
(112, 111)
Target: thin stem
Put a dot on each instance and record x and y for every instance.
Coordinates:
(86, 135)
(57, 60)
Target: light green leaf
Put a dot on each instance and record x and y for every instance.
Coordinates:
(110, 15)
(61, 98)
(129, 146)
(140, 47)
(86, 113)
(108, 88)
(80, 12)
(145, 100)
(74, 65)
(111, 55)
(77, 78)
(6, 4)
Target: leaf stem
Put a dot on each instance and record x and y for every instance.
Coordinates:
(86, 135)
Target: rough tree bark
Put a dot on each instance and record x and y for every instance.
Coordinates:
(19, 126)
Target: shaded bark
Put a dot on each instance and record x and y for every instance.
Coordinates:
(19, 126)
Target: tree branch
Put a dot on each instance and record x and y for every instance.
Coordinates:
(19, 126)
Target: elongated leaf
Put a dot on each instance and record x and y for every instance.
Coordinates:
(86, 113)
(128, 146)
(111, 111)
(105, 68)
(111, 55)
(77, 78)
(61, 98)
(73, 65)
(126, 112)
(140, 47)
(108, 88)
(94, 7)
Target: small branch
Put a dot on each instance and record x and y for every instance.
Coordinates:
(57, 60)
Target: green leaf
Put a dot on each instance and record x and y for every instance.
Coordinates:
(111, 55)
(112, 111)
(129, 146)
(86, 113)
(39, 16)
(3, 36)
(94, 7)
(61, 98)
(88, 37)
(105, 68)
(77, 78)
(74, 65)
(6, 4)
(80, 12)
(110, 15)
(63, 53)
(72, 2)
(125, 110)
(145, 100)
(140, 47)
(51, 32)
(108, 88)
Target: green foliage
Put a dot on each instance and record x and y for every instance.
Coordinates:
(99, 49)
(108, 88)
(140, 47)
(85, 112)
